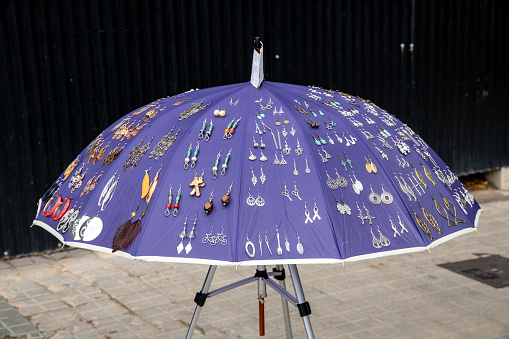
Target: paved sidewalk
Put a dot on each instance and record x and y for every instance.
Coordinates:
(83, 294)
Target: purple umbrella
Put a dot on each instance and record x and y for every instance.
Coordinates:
(258, 173)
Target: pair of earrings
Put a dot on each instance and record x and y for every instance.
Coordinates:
(367, 217)
(254, 179)
(108, 191)
(252, 157)
(308, 215)
(376, 198)
(285, 133)
(194, 158)
(393, 226)
(295, 192)
(356, 185)
(220, 112)
(379, 242)
(205, 135)
(370, 166)
(184, 235)
(176, 205)
(89, 187)
(286, 122)
(326, 157)
(319, 141)
(76, 180)
(213, 240)
(343, 208)
(251, 201)
(261, 144)
(224, 166)
(336, 183)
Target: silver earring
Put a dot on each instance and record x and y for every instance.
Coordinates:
(254, 180)
(252, 156)
(331, 141)
(285, 193)
(250, 249)
(285, 133)
(386, 197)
(307, 167)
(255, 145)
(250, 199)
(262, 176)
(292, 132)
(262, 144)
(262, 156)
(295, 172)
(374, 197)
(259, 201)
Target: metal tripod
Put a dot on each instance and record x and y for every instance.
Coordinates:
(262, 277)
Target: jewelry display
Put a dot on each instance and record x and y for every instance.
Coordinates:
(295, 192)
(285, 193)
(250, 249)
(196, 184)
(307, 170)
(209, 205)
(300, 248)
(307, 214)
(422, 224)
(267, 243)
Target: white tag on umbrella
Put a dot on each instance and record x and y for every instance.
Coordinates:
(257, 68)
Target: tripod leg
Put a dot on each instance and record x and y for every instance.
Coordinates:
(200, 300)
(284, 304)
(302, 305)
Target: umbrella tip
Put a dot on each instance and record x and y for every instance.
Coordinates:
(257, 67)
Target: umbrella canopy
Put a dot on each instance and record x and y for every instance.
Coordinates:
(240, 175)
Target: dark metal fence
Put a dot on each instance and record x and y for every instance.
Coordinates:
(70, 68)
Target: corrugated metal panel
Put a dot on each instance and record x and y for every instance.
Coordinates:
(70, 68)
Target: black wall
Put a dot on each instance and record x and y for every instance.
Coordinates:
(68, 69)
